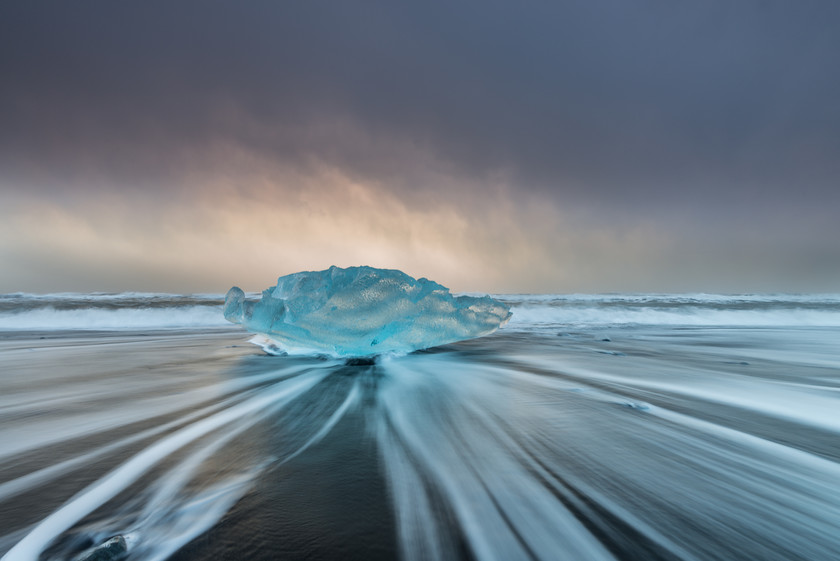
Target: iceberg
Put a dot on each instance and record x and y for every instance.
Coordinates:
(362, 311)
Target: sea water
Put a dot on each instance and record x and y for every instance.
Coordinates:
(634, 427)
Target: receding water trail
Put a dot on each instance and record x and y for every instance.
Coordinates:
(531, 464)
(457, 446)
(520, 463)
(118, 480)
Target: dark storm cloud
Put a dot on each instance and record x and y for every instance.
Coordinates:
(591, 101)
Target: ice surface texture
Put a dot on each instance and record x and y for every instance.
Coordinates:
(362, 311)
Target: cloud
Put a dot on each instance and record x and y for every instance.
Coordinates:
(579, 100)
(558, 146)
(250, 228)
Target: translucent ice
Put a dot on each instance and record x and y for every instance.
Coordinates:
(362, 311)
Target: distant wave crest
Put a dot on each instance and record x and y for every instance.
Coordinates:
(145, 311)
(759, 310)
(98, 311)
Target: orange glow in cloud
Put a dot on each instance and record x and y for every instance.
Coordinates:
(213, 234)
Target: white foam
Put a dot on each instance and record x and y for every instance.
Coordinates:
(48, 319)
(525, 316)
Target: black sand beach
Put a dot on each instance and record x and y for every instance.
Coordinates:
(623, 442)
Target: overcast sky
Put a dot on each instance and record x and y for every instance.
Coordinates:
(580, 146)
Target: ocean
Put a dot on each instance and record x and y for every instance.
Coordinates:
(619, 426)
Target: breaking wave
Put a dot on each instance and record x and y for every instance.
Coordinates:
(105, 311)
(762, 310)
(120, 319)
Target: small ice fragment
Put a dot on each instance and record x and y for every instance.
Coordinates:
(637, 405)
(612, 353)
(362, 311)
(110, 550)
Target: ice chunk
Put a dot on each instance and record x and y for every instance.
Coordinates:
(361, 311)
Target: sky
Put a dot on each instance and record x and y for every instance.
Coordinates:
(564, 146)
